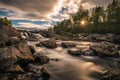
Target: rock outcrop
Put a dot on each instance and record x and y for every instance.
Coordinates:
(12, 50)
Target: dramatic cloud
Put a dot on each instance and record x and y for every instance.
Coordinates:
(43, 10)
(30, 8)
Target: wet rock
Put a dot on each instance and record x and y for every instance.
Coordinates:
(54, 59)
(16, 68)
(42, 59)
(10, 55)
(33, 36)
(12, 41)
(45, 73)
(8, 36)
(105, 49)
(111, 74)
(6, 58)
(23, 48)
(75, 52)
(68, 44)
(32, 49)
(7, 32)
(89, 53)
(49, 43)
(78, 52)
(38, 45)
(117, 39)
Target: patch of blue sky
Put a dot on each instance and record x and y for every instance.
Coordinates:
(7, 12)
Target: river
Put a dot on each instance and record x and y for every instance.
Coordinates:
(74, 68)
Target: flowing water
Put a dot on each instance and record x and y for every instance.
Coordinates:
(73, 68)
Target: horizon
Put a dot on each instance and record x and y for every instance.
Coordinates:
(41, 14)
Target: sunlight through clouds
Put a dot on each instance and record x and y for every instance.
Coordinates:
(44, 10)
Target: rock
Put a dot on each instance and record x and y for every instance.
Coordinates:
(105, 49)
(6, 58)
(7, 32)
(68, 44)
(89, 53)
(116, 39)
(38, 45)
(42, 59)
(49, 43)
(45, 73)
(16, 68)
(33, 36)
(78, 52)
(75, 52)
(23, 48)
(10, 55)
(111, 74)
(32, 49)
(12, 41)
(12, 51)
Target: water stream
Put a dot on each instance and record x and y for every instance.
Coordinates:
(73, 68)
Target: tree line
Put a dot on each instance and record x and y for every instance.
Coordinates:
(98, 20)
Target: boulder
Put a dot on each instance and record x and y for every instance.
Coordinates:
(45, 73)
(24, 49)
(78, 52)
(7, 32)
(12, 41)
(42, 59)
(32, 49)
(10, 55)
(75, 52)
(68, 44)
(116, 39)
(49, 43)
(105, 49)
(38, 45)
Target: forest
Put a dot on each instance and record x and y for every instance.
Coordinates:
(100, 20)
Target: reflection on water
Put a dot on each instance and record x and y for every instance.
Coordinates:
(70, 68)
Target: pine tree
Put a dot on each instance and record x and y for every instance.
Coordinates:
(113, 10)
(98, 15)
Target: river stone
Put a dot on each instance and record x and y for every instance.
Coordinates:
(116, 39)
(68, 44)
(38, 45)
(78, 52)
(25, 51)
(49, 43)
(105, 49)
(45, 73)
(32, 49)
(12, 41)
(42, 59)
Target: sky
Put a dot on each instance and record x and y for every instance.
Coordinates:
(41, 14)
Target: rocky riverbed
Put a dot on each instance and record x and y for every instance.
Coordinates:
(80, 60)
(26, 55)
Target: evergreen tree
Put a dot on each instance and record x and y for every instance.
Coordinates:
(113, 10)
(81, 14)
(98, 15)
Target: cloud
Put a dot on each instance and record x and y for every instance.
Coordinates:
(43, 10)
(47, 9)
(30, 8)
(29, 25)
